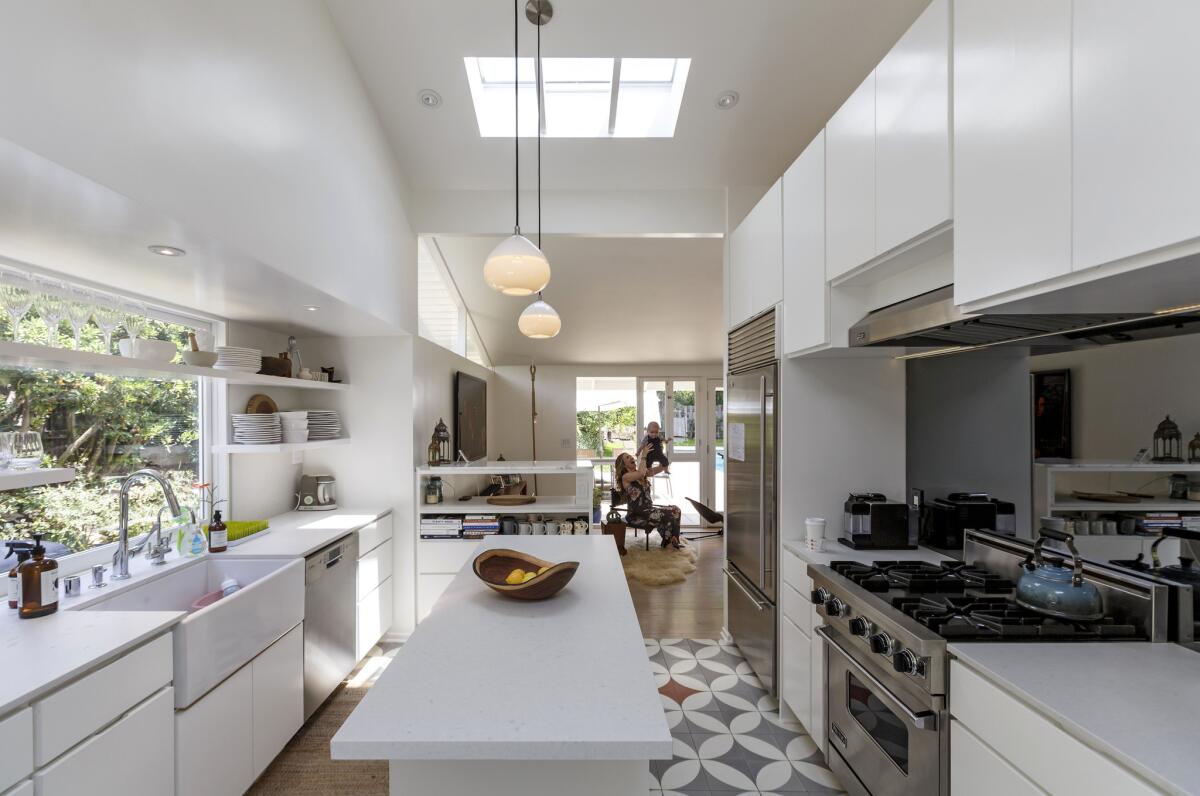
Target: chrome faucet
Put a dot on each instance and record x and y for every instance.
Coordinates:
(121, 554)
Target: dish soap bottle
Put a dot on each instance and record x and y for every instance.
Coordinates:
(22, 550)
(218, 536)
(37, 583)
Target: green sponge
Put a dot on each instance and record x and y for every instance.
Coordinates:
(240, 529)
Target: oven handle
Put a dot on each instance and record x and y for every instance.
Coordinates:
(759, 604)
(923, 721)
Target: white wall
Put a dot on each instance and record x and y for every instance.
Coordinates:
(841, 430)
(245, 121)
(433, 393)
(1121, 392)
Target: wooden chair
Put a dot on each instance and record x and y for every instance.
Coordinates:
(618, 499)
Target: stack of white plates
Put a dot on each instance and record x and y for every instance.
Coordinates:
(295, 426)
(256, 429)
(324, 424)
(241, 360)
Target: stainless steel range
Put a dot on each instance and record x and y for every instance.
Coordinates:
(887, 628)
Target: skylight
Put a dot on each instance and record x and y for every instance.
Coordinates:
(581, 97)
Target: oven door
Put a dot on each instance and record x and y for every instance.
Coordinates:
(877, 744)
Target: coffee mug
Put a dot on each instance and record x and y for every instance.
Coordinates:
(524, 528)
(581, 526)
(566, 527)
(539, 529)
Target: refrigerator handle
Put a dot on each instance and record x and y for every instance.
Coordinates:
(762, 480)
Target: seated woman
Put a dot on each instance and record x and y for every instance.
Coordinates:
(633, 483)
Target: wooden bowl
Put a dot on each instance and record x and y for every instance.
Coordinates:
(511, 500)
(493, 566)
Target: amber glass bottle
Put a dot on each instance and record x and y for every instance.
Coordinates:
(37, 583)
(218, 535)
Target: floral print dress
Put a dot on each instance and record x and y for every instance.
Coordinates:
(644, 514)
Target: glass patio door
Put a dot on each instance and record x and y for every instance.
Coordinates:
(678, 406)
(714, 460)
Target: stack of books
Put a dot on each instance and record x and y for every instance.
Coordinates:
(441, 527)
(480, 525)
(1153, 520)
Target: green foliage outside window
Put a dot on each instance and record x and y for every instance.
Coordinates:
(105, 427)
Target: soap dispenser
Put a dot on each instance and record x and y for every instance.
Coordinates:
(22, 550)
(37, 583)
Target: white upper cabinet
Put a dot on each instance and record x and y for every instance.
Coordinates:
(756, 258)
(850, 182)
(912, 132)
(805, 291)
(1012, 144)
(1137, 126)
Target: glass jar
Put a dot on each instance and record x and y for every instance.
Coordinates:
(433, 490)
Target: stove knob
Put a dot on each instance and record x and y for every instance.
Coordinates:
(834, 607)
(860, 627)
(881, 643)
(819, 596)
(905, 662)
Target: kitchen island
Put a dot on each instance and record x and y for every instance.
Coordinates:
(500, 696)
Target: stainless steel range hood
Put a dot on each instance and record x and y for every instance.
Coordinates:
(931, 320)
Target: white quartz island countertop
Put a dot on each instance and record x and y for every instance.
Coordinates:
(298, 533)
(488, 678)
(39, 655)
(1136, 703)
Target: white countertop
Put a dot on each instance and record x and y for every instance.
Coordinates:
(40, 655)
(836, 551)
(298, 533)
(485, 677)
(1136, 703)
(510, 467)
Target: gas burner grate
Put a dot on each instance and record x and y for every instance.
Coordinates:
(997, 618)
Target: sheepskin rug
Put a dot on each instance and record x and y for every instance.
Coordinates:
(656, 566)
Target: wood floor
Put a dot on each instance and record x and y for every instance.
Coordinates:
(692, 609)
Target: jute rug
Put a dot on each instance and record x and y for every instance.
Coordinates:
(304, 766)
(656, 566)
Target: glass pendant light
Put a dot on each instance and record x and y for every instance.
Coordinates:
(517, 267)
(539, 321)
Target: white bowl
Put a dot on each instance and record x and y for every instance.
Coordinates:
(153, 350)
(200, 359)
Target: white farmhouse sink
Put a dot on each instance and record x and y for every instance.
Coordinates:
(215, 641)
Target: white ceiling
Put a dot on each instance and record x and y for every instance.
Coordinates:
(52, 219)
(621, 300)
(792, 61)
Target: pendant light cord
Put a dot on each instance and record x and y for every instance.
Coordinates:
(516, 120)
(541, 105)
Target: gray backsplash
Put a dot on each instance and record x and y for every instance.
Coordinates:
(968, 427)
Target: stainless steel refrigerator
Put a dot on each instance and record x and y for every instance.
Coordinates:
(751, 523)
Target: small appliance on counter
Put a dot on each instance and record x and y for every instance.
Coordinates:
(872, 522)
(943, 520)
(317, 493)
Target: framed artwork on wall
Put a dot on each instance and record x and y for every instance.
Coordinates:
(1051, 407)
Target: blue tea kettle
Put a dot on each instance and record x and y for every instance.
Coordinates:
(1052, 589)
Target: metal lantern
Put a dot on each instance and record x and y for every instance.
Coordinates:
(439, 446)
(1168, 442)
(1194, 449)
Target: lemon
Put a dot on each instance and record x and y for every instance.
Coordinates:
(529, 576)
(515, 577)
(543, 569)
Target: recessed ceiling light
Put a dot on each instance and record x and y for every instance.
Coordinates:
(311, 307)
(430, 98)
(727, 99)
(167, 251)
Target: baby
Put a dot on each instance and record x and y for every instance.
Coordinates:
(652, 444)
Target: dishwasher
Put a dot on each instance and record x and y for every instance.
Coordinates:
(330, 614)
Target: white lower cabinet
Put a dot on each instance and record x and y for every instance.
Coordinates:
(374, 617)
(795, 653)
(816, 727)
(1016, 733)
(214, 744)
(243, 723)
(976, 770)
(133, 757)
(278, 681)
(16, 741)
(20, 789)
